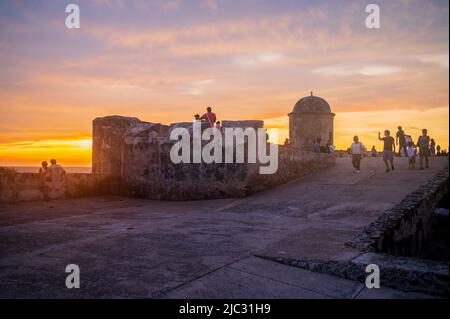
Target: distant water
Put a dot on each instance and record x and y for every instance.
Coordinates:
(69, 169)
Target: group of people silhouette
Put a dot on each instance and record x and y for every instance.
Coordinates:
(424, 148)
(52, 179)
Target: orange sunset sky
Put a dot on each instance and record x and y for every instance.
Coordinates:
(163, 61)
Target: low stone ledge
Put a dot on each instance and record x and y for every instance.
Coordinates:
(402, 273)
(404, 229)
(21, 187)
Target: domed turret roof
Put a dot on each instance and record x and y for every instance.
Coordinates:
(313, 104)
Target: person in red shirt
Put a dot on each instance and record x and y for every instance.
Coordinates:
(209, 116)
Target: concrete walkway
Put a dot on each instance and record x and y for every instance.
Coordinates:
(202, 249)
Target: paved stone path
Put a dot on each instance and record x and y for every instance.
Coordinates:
(155, 249)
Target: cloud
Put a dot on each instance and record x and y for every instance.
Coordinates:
(169, 5)
(109, 3)
(440, 59)
(366, 70)
(197, 87)
(258, 59)
(210, 4)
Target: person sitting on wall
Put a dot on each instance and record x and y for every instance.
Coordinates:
(328, 147)
(57, 170)
(331, 148)
(209, 117)
(43, 170)
(45, 179)
(316, 146)
(287, 142)
(58, 178)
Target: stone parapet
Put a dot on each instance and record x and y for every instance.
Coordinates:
(20, 187)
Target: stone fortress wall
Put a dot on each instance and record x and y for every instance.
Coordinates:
(140, 152)
(132, 158)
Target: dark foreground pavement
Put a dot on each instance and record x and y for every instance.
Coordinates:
(202, 249)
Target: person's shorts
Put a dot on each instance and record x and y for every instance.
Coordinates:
(388, 156)
(424, 153)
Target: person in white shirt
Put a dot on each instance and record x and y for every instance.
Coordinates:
(357, 150)
(411, 152)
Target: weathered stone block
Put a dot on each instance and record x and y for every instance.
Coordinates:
(107, 140)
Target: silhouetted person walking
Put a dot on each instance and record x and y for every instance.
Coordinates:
(432, 147)
(400, 140)
(424, 148)
(411, 150)
(388, 149)
(356, 149)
